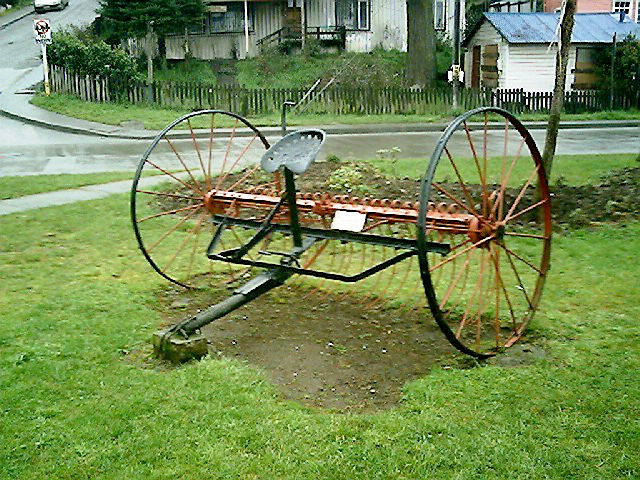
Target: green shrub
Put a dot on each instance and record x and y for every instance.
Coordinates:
(85, 55)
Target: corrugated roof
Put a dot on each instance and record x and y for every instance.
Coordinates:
(541, 27)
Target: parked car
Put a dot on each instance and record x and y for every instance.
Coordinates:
(44, 5)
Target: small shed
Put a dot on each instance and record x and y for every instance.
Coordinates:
(518, 50)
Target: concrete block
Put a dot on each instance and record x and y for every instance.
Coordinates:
(177, 349)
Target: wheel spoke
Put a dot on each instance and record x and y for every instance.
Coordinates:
(197, 148)
(462, 184)
(181, 222)
(197, 228)
(528, 209)
(169, 174)
(226, 156)
(457, 201)
(211, 128)
(449, 259)
(496, 261)
(483, 183)
(527, 235)
(520, 196)
(179, 157)
(169, 212)
(505, 181)
(517, 274)
(165, 194)
(529, 264)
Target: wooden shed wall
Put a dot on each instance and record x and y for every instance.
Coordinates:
(486, 35)
(533, 68)
(529, 67)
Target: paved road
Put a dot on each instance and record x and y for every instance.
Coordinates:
(17, 46)
(28, 150)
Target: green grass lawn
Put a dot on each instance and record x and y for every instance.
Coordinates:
(12, 187)
(568, 169)
(158, 118)
(77, 300)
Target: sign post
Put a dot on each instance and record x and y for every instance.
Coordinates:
(42, 29)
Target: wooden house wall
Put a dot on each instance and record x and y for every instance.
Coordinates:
(321, 13)
(267, 18)
(388, 28)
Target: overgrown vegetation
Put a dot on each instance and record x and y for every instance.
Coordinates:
(381, 68)
(81, 52)
(626, 66)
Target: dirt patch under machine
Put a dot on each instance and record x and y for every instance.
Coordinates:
(322, 349)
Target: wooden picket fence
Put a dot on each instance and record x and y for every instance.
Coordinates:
(334, 100)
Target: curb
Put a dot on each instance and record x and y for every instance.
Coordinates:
(330, 129)
(17, 19)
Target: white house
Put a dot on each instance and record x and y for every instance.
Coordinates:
(518, 50)
(239, 28)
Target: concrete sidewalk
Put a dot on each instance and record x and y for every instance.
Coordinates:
(71, 195)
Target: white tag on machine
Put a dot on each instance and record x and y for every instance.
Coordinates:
(349, 221)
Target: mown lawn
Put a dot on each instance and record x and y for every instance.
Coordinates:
(78, 399)
(157, 118)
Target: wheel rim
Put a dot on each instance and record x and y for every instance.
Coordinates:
(199, 152)
(486, 290)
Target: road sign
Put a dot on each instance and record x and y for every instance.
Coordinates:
(42, 29)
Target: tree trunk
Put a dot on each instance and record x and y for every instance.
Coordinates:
(421, 43)
(557, 102)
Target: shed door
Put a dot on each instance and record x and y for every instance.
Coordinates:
(490, 66)
(475, 67)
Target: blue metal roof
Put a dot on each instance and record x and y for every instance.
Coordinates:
(541, 27)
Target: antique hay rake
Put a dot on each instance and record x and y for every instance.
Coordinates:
(474, 236)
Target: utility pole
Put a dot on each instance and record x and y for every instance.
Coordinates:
(455, 68)
(303, 23)
(613, 64)
(149, 52)
(246, 28)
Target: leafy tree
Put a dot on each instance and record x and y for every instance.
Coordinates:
(131, 18)
(421, 44)
(626, 68)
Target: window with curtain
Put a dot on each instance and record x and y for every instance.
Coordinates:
(440, 14)
(228, 17)
(353, 14)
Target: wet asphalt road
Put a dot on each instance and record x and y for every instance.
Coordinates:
(28, 150)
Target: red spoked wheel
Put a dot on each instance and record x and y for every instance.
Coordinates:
(197, 154)
(485, 194)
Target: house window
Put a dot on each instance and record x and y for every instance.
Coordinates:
(440, 14)
(228, 17)
(622, 6)
(353, 14)
(363, 14)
